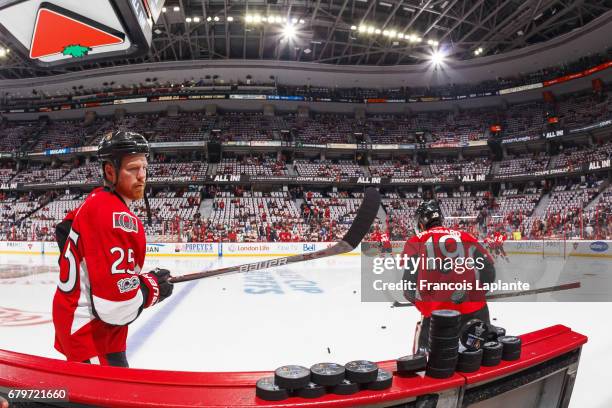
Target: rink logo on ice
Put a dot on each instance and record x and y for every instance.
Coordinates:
(125, 221)
(128, 284)
(263, 282)
(15, 317)
(599, 246)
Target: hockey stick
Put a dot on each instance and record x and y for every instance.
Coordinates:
(567, 286)
(359, 228)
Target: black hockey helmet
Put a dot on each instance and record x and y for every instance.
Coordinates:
(114, 146)
(428, 215)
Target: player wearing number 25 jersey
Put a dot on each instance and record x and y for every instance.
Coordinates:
(101, 288)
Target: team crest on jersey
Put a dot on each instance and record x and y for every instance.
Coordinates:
(125, 221)
(128, 284)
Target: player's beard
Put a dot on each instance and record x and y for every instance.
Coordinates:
(137, 192)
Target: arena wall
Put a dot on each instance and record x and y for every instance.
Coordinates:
(548, 365)
(569, 248)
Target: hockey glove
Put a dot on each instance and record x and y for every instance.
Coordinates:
(155, 286)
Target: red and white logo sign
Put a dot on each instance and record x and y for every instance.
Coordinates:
(58, 31)
(125, 221)
(49, 33)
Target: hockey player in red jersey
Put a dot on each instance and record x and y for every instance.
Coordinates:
(495, 243)
(101, 286)
(446, 256)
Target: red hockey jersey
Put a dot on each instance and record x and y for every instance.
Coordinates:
(436, 247)
(98, 292)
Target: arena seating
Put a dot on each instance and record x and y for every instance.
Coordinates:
(328, 128)
(574, 157)
(252, 166)
(388, 168)
(63, 133)
(327, 168)
(186, 127)
(40, 174)
(162, 171)
(16, 135)
(523, 164)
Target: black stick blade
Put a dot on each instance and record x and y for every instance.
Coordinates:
(364, 218)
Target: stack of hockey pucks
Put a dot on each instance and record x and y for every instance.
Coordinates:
(443, 343)
(473, 337)
(294, 380)
(491, 353)
(511, 347)
(494, 332)
(286, 379)
(408, 365)
(363, 374)
(325, 376)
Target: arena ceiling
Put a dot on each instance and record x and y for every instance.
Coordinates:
(354, 32)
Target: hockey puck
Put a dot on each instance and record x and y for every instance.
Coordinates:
(292, 377)
(439, 373)
(511, 344)
(346, 387)
(312, 390)
(445, 318)
(442, 363)
(473, 334)
(361, 371)
(267, 390)
(491, 353)
(327, 374)
(470, 357)
(511, 356)
(411, 363)
(444, 353)
(494, 332)
(384, 379)
(467, 367)
(444, 331)
(436, 342)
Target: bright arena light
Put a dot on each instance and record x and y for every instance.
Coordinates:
(289, 32)
(437, 58)
(230, 19)
(2, 52)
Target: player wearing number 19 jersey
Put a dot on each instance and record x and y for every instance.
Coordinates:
(445, 264)
(101, 288)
